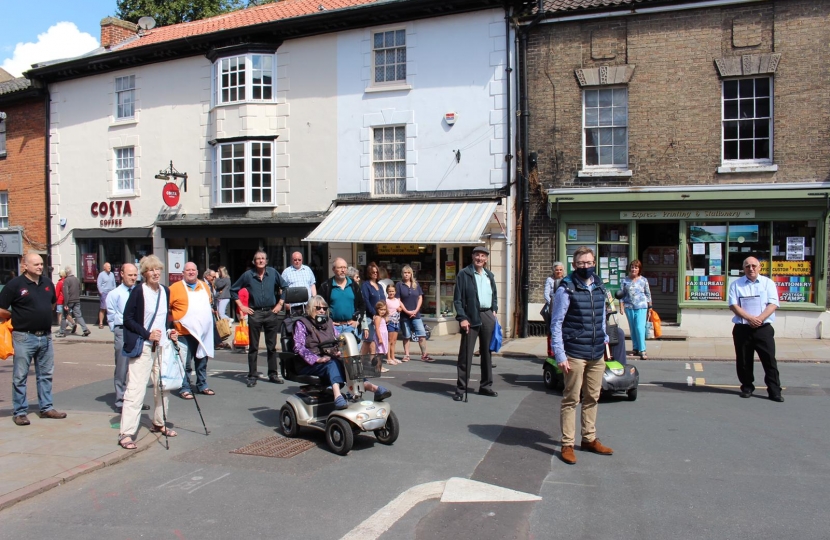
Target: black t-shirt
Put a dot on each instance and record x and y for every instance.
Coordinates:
(30, 303)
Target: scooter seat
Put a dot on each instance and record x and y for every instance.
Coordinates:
(311, 380)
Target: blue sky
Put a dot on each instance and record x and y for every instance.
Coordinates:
(23, 21)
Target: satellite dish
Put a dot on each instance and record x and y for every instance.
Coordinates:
(146, 23)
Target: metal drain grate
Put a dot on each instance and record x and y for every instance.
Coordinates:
(278, 447)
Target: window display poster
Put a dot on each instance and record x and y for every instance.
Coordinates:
(699, 249)
(622, 262)
(707, 233)
(795, 248)
(715, 251)
(603, 262)
(706, 288)
(90, 269)
(175, 261)
(715, 267)
(361, 258)
(787, 268)
(449, 270)
(450, 254)
(572, 235)
(794, 288)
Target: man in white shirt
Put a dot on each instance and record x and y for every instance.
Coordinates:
(753, 299)
(116, 301)
(300, 275)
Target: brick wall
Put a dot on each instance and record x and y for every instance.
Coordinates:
(675, 98)
(22, 171)
(115, 31)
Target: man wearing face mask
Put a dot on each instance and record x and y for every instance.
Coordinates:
(578, 334)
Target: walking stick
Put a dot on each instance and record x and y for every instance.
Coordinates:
(199, 409)
(161, 392)
(469, 361)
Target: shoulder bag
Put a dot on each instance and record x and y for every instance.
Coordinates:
(135, 352)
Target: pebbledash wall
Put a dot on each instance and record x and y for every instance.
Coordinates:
(674, 64)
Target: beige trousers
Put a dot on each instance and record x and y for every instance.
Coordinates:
(585, 376)
(142, 369)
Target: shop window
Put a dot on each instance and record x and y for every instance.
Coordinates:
(389, 52)
(247, 77)
(8, 269)
(124, 97)
(747, 120)
(610, 242)
(125, 170)
(4, 209)
(245, 174)
(389, 160)
(794, 260)
(605, 123)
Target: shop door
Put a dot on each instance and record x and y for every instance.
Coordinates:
(658, 247)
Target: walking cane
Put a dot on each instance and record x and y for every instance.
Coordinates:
(161, 393)
(179, 354)
(469, 363)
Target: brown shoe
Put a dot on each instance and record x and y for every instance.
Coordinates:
(52, 413)
(22, 420)
(596, 447)
(568, 455)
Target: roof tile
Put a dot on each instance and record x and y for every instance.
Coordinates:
(14, 85)
(573, 5)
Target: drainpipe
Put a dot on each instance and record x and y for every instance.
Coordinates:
(524, 180)
(47, 174)
(508, 158)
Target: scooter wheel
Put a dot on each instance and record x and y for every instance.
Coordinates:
(632, 394)
(288, 421)
(549, 377)
(388, 434)
(339, 436)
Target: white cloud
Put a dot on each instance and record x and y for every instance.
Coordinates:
(63, 40)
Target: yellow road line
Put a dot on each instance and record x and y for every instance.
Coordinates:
(698, 366)
(700, 381)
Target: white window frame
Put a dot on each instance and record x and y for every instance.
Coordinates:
(249, 71)
(747, 162)
(123, 164)
(127, 91)
(397, 159)
(249, 173)
(385, 47)
(4, 209)
(3, 139)
(606, 169)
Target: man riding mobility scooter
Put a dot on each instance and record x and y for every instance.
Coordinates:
(314, 405)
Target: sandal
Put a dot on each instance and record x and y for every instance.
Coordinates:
(207, 392)
(427, 358)
(186, 395)
(163, 430)
(127, 443)
(405, 358)
(643, 356)
(384, 370)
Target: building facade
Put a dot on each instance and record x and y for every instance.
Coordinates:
(689, 136)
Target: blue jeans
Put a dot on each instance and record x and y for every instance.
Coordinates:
(637, 326)
(331, 371)
(28, 347)
(200, 363)
(410, 327)
(348, 328)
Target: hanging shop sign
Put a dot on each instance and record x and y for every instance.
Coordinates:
(111, 212)
(170, 194)
(398, 249)
(687, 214)
(10, 243)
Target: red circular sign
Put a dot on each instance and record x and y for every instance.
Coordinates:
(170, 194)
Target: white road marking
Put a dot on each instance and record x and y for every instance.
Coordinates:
(520, 381)
(463, 490)
(69, 362)
(178, 478)
(570, 484)
(437, 379)
(105, 365)
(690, 381)
(206, 483)
(688, 366)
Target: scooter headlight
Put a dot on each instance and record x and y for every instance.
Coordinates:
(381, 413)
(618, 371)
(362, 417)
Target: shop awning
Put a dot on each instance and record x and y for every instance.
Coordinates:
(438, 222)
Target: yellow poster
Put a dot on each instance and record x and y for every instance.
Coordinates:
(398, 249)
(449, 270)
(787, 268)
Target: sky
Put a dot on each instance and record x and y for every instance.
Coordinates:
(34, 31)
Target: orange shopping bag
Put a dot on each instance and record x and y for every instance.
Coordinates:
(6, 342)
(654, 318)
(240, 336)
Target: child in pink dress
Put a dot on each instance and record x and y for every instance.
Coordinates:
(393, 323)
(381, 334)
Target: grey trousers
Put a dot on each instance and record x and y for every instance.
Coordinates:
(483, 334)
(122, 366)
(75, 311)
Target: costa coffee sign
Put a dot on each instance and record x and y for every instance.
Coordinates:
(111, 212)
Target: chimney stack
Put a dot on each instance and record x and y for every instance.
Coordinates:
(115, 31)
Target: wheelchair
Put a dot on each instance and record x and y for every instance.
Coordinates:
(313, 405)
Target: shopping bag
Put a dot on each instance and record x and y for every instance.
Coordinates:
(649, 330)
(172, 364)
(654, 318)
(223, 327)
(240, 337)
(496, 340)
(6, 341)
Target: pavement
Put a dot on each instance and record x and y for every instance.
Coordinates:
(49, 453)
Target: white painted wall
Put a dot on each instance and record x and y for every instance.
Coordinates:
(454, 64)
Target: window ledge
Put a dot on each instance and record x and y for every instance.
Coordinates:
(388, 88)
(125, 195)
(253, 206)
(747, 169)
(124, 122)
(599, 173)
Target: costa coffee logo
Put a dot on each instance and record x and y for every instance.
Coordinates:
(111, 212)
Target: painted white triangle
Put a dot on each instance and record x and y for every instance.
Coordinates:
(464, 490)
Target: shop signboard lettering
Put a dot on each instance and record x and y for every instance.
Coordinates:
(706, 288)
(794, 288)
(398, 249)
(111, 213)
(787, 268)
(687, 214)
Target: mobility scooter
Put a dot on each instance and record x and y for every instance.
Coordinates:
(313, 406)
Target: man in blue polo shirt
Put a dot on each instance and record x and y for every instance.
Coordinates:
(31, 298)
(753, 299)
(344, 298)
(264, 285)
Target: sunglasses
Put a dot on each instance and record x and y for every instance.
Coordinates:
(321, 308)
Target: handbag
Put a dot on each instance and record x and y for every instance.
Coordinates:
(656, 324)
(497, 338)
(223, 327)
(172, 364)
(135, 352)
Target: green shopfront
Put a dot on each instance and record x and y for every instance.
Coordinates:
(692, 240)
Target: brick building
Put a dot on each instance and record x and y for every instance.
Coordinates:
(688, 135)
(24, 214)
